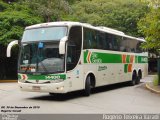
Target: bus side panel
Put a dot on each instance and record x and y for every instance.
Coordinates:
(113, 67)
(75, 77)
(114, 73)
(90, 68)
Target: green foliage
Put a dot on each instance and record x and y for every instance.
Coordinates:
(150, 27)
(72, 1)
(155, 81)
(122, 15)
(3, 6)
(50, 10)
(13, 20)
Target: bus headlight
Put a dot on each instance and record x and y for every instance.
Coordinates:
(60, 88)
(56, 81)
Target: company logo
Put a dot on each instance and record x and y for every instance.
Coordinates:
(93, 58)
(144, 59)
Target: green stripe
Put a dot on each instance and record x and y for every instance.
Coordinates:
(44, 77)
(126, 68)
(128, 59)
(107, 58)
(19, 76)
(112, 58)
(136, 59)
(142, 59)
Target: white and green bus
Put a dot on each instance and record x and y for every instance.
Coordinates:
(61, 57)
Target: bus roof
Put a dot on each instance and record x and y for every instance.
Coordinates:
(69, 24)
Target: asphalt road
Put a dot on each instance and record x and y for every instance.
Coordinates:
(119, 98)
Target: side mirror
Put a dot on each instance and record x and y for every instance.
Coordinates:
(9, 47)
(62, 45)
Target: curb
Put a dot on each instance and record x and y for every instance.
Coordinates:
(151, 89)
(8, 81)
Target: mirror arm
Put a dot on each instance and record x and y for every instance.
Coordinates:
(9, 47)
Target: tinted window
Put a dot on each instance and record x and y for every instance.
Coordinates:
(114, 42)
(94, 39)
(131, 45)
(89, 39)
(100, 40)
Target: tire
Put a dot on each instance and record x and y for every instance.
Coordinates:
(134, 79)
(138, 79)
(87, 90)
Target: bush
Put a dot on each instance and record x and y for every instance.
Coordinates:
(155, 81)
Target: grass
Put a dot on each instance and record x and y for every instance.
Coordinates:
(155, 81)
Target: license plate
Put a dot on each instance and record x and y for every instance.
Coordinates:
(36, 88)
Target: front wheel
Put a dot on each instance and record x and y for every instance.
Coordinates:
(87, 89)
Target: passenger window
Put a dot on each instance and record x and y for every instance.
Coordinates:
(100, 40)
(90, 39)
(138, 47)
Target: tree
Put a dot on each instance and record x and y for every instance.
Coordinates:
(72, 1)
(9, 1)
(122, 15)
(13, 19)
(50, 10)
(3, 6)
(149, 26)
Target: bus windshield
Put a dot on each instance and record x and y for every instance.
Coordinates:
(41, 57)
(44, 34)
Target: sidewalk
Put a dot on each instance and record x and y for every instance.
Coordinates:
(149, 85)
(8, 81)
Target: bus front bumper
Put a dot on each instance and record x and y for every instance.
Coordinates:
(49, 87)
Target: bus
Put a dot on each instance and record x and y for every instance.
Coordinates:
(60, 57)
